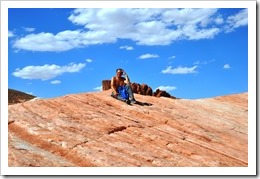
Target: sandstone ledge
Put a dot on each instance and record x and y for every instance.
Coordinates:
(93, 129)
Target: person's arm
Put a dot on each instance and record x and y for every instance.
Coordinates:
(113, 86)
(127, 80)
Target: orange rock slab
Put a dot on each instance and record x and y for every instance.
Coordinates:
(94, 129)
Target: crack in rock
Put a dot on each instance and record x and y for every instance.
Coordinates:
(117, 129)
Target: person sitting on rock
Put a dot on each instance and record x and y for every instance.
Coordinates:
(121, 88)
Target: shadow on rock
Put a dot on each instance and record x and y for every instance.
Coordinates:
(143, 103)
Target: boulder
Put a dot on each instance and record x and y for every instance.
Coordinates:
(135, 88)
(149, 91)
(161, 93)
(106, 85)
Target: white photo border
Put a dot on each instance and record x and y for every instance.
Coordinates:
(250, 170)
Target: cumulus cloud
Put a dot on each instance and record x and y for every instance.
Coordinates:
(99, 88)
(47, 71)
(10, 34)
(237, 20)
(126, 47)
(226, 66)
(172, 57)
(31, 93)
(180, 70)
(144, 26)
(205, 62)
(145, 56)
(55, 82)
(89, 60)
(63, 41)
(167, 88)
(202, 17)
(29, 29)
(219, 20)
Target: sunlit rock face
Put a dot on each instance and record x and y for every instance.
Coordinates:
(94, 129)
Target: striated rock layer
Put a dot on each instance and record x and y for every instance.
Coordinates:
(93, 129)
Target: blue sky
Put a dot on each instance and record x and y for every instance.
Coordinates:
(191, 53)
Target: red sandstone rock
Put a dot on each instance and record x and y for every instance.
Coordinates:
(144, 88)
(106, 85)
(149, 91)
(93, 129)
(161, 93)
(135, 87)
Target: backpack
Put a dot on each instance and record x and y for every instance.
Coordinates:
(123, 92)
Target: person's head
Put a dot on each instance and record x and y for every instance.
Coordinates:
(119, 72)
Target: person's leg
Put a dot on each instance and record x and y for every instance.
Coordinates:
(130, 93)
(119, 97)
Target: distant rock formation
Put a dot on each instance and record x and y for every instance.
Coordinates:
(15, 96)
(142, 89)
(106, 85)
(160, 93)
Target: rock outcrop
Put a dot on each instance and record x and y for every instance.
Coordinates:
(15, 96)
(160, 93)
(142, 89)
(94, 129)
(106, 85)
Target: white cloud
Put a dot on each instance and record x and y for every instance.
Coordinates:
(189, 16)
(31, 93)
(48, 41)
(10, 34)
(167, 88)
(63, 41)
(226, 66)
(98, 88)
(88, 60)
(126, 47)
(145, 26)
(46, 72)
(55, 82)
(194, 24)
(145, 56)
(219, 20)
(29, 29)
(203, 62)
(180, 70)
(237, 20)
(172, 57)
(197, 62)
(194, 33)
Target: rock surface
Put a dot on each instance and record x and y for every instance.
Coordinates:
(93, 129)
